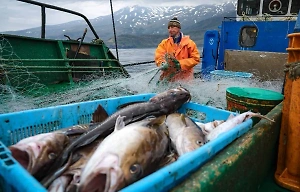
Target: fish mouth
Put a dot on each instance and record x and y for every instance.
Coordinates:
(107, 176)
(23, 157)
(188, 93)
(27, 156)
(102, 182)
(184, 92)
(96, 184)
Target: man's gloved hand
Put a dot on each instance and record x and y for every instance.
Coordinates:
(176, 63)
(164, 66)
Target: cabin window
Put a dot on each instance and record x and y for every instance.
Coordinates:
(275, 7)
(248, 36)
(295, 7)
(248, 7)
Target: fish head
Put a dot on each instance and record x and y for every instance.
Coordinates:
(194, 135)
(172, 99)
(111, 173)
(38, 151)
(106, 175)
(125, 156)
(188, 141)
(184, 133)
(139, 159)
(195, 141)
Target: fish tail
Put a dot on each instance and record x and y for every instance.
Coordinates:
(262, 116)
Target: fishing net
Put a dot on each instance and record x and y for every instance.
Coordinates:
(21, 90)
(15, 81)
(14, 76)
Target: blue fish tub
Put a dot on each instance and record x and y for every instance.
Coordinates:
(19, 125)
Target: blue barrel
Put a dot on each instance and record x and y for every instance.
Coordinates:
(210, 51)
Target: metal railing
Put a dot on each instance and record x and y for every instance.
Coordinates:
(43, 10)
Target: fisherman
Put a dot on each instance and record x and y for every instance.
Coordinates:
(177, 55)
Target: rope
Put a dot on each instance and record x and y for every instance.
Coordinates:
(138, 63)
(293, 69)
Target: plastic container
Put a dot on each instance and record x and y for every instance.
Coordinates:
(242, 99)
(19, 125)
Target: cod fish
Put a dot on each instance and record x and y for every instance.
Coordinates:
(161, 104)
(38, 151)
(185, 135)
(126, 155)
(231, 123)
(70, 179)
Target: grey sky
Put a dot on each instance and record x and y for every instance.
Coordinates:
(17, 15)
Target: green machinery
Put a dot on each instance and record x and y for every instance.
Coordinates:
(56, 61)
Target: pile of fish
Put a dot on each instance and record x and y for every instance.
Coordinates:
(114, 151)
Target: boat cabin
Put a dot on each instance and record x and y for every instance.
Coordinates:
(254, 41)
(271, 8)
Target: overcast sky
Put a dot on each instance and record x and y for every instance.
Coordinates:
(17, 15)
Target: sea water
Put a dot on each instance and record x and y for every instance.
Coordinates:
(143, 79)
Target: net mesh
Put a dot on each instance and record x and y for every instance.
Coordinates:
(22, 90)
(14, 76)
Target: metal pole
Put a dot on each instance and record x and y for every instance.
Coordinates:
(43, 30)
(113, 22)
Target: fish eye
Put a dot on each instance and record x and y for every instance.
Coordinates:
(52, 156)
(135, 169)
(199, 143)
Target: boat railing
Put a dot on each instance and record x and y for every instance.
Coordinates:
(59, 68)
(43, 11)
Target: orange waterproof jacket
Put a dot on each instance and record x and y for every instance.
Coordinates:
(185, 52)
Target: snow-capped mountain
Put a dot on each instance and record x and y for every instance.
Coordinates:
(139, 21)
(156, 18)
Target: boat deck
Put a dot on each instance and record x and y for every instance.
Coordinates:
(269, 184)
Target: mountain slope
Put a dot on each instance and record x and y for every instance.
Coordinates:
(139, 26)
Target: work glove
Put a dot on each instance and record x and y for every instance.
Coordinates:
(176, 63)
(164, 66)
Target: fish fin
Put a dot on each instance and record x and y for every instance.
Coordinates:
(259, 115)
(157, 121)
(216, 123)
(182, 116)
(202, 128)
(99, 115)
(74, 130)
(230, 116)
(120, 123)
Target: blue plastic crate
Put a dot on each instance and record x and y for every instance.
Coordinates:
(19, 125)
